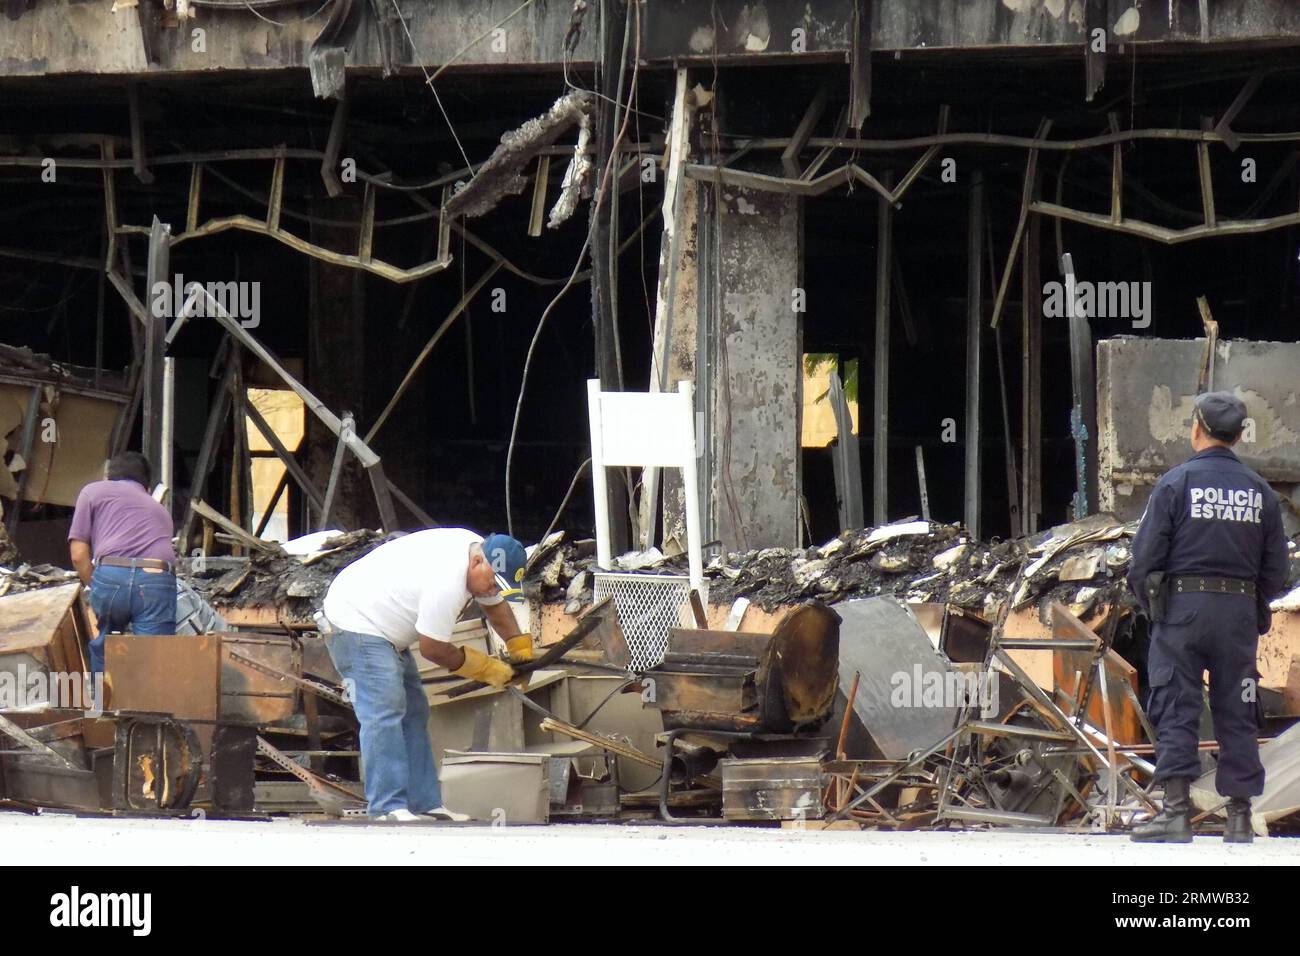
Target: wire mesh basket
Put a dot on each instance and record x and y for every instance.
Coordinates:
(647, 605)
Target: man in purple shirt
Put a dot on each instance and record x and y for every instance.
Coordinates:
(121, 546)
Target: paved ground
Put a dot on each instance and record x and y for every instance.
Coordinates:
(150, 842)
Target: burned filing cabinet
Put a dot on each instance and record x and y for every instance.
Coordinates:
(188, 711)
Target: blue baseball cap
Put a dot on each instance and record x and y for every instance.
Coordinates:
(507, 557)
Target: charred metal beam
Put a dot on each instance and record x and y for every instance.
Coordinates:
(974, 329)
(138, 158)
(1031, 365)
(803, 132)
(880, 385)
(326, 54)
(1026, 196)
(217, 413)
(155, 338)
(860, 63)
(603, 267)
(292, 468)
(1206, 179)
(1094, 52)
(1134, 227)
(1116, 175)
(329, 164)
(1224, 127)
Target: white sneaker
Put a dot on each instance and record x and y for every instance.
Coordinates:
(442, 813)
(400, 815)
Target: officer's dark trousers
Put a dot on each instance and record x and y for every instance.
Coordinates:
(1215, 633)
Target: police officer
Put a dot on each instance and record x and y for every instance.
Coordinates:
(1209, 556)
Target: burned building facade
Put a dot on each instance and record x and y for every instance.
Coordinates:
(912, 222)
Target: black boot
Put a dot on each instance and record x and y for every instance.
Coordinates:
(1238, 828)
(1173, 824)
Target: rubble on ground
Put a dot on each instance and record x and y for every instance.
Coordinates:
(279, 578)
(1081, 565)
(32, 577)
(799, 725)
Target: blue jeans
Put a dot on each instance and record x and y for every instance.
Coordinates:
(131, 600)
(386, 693)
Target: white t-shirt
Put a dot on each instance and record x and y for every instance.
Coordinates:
(410, 586)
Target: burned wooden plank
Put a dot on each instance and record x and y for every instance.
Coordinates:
(208, 513)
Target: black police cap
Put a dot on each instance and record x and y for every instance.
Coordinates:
(1222, 413)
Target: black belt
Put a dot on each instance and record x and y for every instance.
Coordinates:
(147, 564)
(1212, 586)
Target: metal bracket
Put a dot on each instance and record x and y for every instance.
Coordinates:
(320, 690)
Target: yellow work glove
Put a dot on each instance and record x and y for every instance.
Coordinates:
(520, 648)
(478, 666)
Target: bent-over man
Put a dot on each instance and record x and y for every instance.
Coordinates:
(408, 592)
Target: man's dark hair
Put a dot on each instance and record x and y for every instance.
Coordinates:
(130, 466)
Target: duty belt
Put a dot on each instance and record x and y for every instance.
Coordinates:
(146, 564)
(1189, 585)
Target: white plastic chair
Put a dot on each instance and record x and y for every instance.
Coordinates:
(644, 429)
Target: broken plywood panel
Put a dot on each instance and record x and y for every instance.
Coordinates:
(46, 627)
(81, 425)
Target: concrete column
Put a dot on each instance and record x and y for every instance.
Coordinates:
(755, 358)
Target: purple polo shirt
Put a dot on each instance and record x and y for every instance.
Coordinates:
(119, 519)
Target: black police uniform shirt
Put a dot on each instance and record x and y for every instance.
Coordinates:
(1212, 516)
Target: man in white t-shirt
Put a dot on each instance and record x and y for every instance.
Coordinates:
(408, 592)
